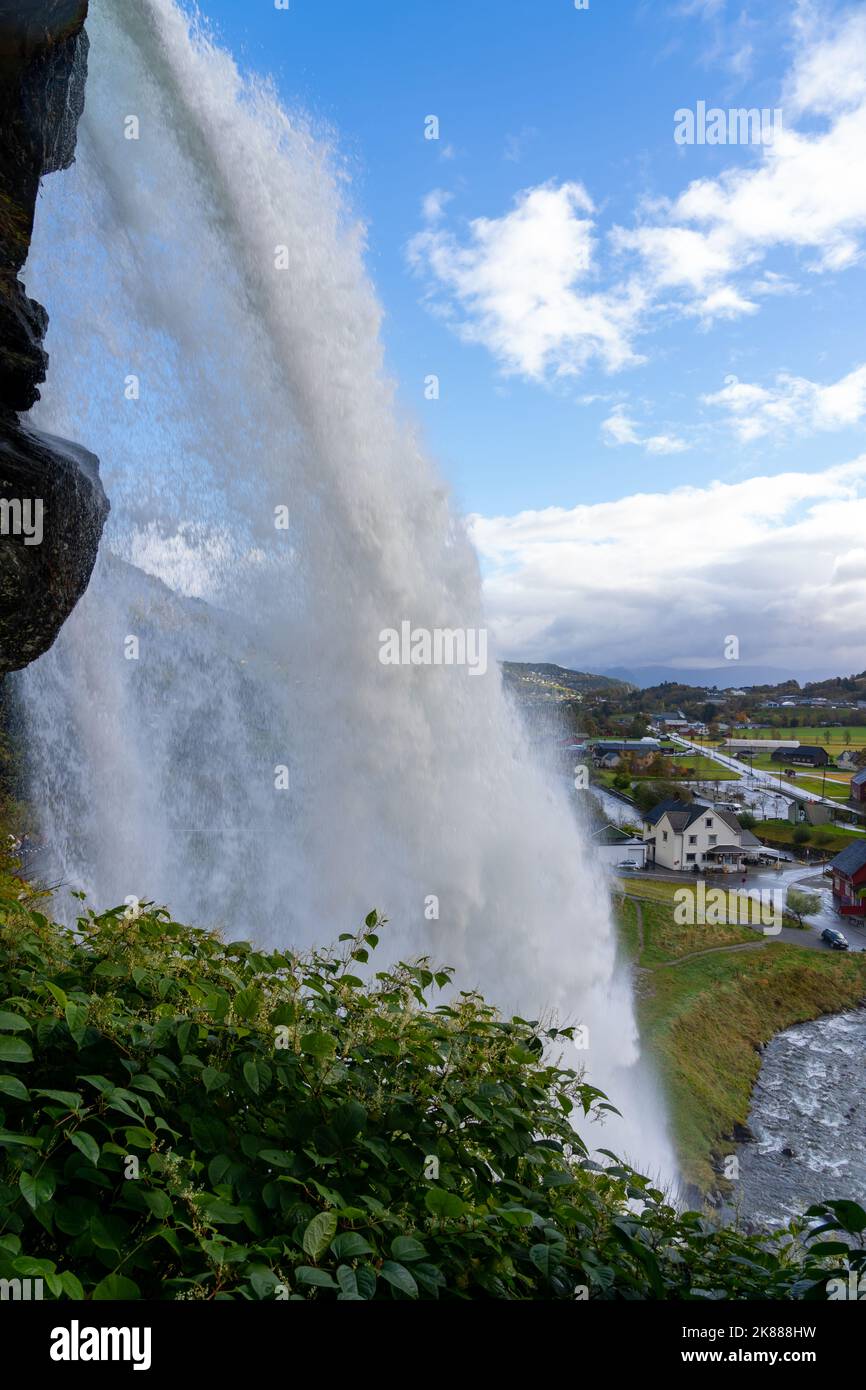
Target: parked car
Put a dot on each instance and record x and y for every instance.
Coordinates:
(834, 939)
(627, 864)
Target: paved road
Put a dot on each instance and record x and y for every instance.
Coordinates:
(758, 774)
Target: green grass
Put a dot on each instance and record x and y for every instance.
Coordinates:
(836, 784)
(831, 739)
(780, 833)
(704, 769)
(703, 1019)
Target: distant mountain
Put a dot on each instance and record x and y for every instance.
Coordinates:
(546, 680)
(730, 676)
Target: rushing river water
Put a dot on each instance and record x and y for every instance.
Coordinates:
(808, 1117)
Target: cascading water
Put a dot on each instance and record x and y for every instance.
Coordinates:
(218, 387)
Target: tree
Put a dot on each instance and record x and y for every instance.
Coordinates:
(801, 904)
(801, 834)
(187, 1118)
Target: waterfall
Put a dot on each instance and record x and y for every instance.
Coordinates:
(214, 728)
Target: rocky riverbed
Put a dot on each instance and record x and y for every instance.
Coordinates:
(808, 1119)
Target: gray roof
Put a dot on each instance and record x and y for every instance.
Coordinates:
(810, 750)
(682, 814)
(613, 835)
(860, 778)
(671, 804)
(852, 858)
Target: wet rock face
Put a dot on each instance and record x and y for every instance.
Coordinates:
(52, 507)
(51, 497)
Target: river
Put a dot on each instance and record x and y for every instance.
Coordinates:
(808, 1117)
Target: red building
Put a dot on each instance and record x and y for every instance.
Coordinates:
(858, 787)
(849, 881)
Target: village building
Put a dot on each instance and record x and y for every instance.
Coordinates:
(675, 720)
(616, 848)
(809, 754)
(858, 788)
(687, 837)
(848, 871)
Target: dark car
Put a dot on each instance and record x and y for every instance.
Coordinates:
(834, 939)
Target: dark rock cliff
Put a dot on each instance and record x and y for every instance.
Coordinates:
(52, 506)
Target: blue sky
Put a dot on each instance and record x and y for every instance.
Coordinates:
(700, 309)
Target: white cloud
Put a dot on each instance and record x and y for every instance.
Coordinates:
(807, 192)
(665, 444)
(434, 204)
(619, 428)
(793, 405)
(522, 285)
(537, 287)
(647, 577)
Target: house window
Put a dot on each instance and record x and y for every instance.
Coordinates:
(708, 822)
(712, 839)
(693, 839)
(664, 835)
(690, 859)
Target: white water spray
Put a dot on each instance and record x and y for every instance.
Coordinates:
(216, 388)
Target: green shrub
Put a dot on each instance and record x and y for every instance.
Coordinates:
(187, 1118)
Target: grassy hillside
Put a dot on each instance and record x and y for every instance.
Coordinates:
(704, 1015)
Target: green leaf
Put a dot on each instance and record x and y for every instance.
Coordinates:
(349, 1245)
(72, 1286)
(542, 1257)
(159, 1203)
(348, 1282)
(13, 1023)
(275, 1158)
(251, 1076)
(15, 1050)
(76, 1020)
(319, 1044)
(221, 1213)
(8, 1138)
(399, 1277)
(443, 1204)
(86, 1144)
(37, 1190)
(407, 1249)
(139, 1138)
(114, 1287)
(319, 1234)
(850, 1215)
(305, 1274)
(71, 1099)
(11, 1086)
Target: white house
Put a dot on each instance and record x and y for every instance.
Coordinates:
(683, 836)
(615, 847)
